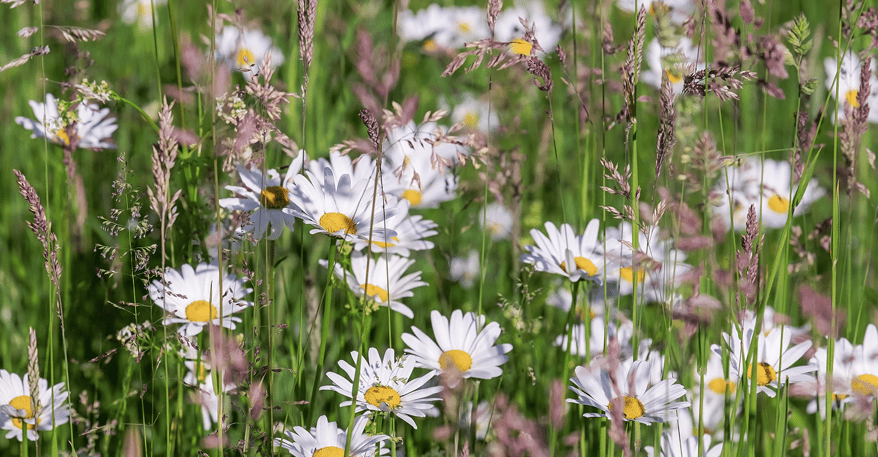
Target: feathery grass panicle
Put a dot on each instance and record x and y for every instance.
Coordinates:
(668, 116)
(306, 15)
(855, 124)
(37, 51)
(33, 371)
(631, 67)
(163, 158)
(494, 7)
(74, 34)
(723, 81)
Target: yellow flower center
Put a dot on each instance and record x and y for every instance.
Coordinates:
(866, 384)
(202, 373)
(62, 135)
(22, 402)
(245, 58)
(658, 7)
(764, 373)
(471, 120)
(633, 408)
(779, 204)
(520, 46)
(334, 222)
(275, 197)
(464, 27)
(455, 358)
(376, 395)
(329, 451)
(382, 244)
(373, 290)
(674, 76)
(851, 97)
(414, 197)
(430, 46)
(582, 264)
(721, 386)
(200, 311)
(627, 274)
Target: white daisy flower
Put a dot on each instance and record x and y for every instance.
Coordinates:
(268, 197)
(16, 410)
(244, 50)
(660, 265)
(467, 24)
(848, 74)
(342, 164)
(465, 270)
(139, 11)
(339, 207)
(716, 384)
(475, 114)
(498, 221)
(483, 419)
(385, 385)
(327, 440)
(854, 372)
(772, 320)
(410, 233)
(409, 150)
(766, 187)
(386, 285)
(428, 25)
(508, 28)
(459, 345)
(193, 298)
(561, 249)
(676, 10)
(772, 364)
(562, 299)
(92, 125)
(671, 62)
(866, 364)
(646, 405)
(207, 397)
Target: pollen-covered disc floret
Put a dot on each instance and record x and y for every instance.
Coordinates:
(328, 440)
(387, 385)
(771, 365)
(337, 206)
(461, 344)
(16, 407)
(91, 124)
(192, 297)
(564, 253)
(268, 196)
(593, 387)
(386, 283)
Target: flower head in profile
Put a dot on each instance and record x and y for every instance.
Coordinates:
(337, 206)
(461, 344)
(139, 11)
(386, 283)
(192, 297)
(564, 253)
(386, 385)
(244, 50)
(268, 197)
(328, 440)
(509, 28)
(87, 127)
(671, 62)
(17, 411)
(595, 387)
(771, 365)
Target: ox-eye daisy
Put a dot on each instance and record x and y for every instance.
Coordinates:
(91, 124)
(646, 405)
(17, 412)
(680, 441)
(327, 440)
(772, 364)
(386, 283)
(245, 49)
(410, 232)
(193, 297)
(339, 207)
(509, 28)
(848, 74)
(459, 345)
(670, 62)
(475, 114)
(464, 270)
(497, 220)
(268, 196)
(597, 338)
(139, 11)
(563, 253)
(854, 372)
(385, 385)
